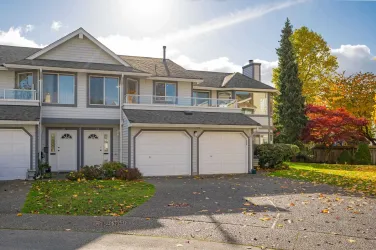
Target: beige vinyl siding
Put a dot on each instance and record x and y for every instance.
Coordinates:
(7, 79)
(79, 50)
(184, 93)
(257, 75)
(33, 131)
(125, 139)
(146, 87)
(81, 111)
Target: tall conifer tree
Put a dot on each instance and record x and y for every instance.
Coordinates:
(289, 116)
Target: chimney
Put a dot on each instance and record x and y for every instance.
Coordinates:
(252, 70)
(164, 53)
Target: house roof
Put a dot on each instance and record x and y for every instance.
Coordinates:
(19, 113)
(13, 53)
(228, 80)
(158, 67)
(76, 65)
(188, 117)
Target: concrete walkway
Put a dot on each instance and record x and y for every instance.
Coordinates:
(250, 210)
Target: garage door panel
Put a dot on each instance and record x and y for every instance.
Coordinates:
(14, 154)
(160, 153)
(223, 153)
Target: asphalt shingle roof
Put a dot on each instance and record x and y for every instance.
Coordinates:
(233, 80)
(188, 117)
(19, 113)
(13, 53)
(77, 65)
(158, 67)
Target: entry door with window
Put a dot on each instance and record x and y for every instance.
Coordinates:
(62, 150)
(132, 91)
(97, 148)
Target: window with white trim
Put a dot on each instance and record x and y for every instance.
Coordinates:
(58, 88)
(104, 90)
(25, 81)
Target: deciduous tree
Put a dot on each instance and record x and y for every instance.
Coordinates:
(326, 127)
(315, 63)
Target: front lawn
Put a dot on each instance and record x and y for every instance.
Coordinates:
(354, 178)
(97, 197)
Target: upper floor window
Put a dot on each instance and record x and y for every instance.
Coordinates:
(25, 81)
(165, 92)
(104, 91)
(201, 98)
(58, 88)
(244, 99)
(261, 103)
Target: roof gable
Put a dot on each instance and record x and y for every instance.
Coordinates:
(78, 46)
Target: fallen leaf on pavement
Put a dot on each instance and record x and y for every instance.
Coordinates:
(19, 214)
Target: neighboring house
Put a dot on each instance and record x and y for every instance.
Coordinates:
(76, 103)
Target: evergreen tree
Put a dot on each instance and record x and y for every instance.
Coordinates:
(289, 116)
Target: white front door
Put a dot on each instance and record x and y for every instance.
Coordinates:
(97, 148)
(160, 153)
(223, 153)
(62, 150)
(14, 154)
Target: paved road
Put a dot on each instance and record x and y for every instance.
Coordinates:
(247, 210)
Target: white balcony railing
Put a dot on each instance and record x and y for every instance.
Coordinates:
(17, 94)
(180, 101)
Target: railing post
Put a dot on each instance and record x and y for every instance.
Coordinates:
(4, 95)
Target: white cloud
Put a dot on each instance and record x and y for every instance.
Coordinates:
(56, 25)
(221, 64)
(14, 36)
(29, 28)
(355, 58)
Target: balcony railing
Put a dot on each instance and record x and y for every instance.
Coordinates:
(180, 101)
(17, 94)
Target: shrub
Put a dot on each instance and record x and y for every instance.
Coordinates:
(109, 168)
(295, 149)
(92, 172)
(128, 174)
(306, 153)
(362, 155)
(74, 176)
(273, 155)
(345, 158)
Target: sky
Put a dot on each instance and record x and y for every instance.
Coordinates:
(215, 35)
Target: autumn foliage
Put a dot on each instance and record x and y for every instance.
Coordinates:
(327, 127)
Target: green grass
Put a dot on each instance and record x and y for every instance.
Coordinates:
(98, 197)
(353, 178)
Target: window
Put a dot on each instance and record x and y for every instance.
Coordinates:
(25, 81)
(52, 142)
(201, 98)
(66, 136)
(105, 146)
(244, 99)
(92, 136)
(165, 92)
(224, 98)
(58, 88)
(261, 103)
(104, 91)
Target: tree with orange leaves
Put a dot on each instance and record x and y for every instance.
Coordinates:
(356, 93)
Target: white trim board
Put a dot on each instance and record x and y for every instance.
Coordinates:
(160, 78)
(241, 89)
(78, 32)
(157, 125)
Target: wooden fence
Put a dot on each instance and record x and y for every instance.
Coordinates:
(319, 153)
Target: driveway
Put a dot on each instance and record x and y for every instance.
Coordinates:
(247, 210)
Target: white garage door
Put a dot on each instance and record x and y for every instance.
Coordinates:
(161, 153)
(223, 153)
(14, 154)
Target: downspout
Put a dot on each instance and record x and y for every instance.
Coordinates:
(269, 114)
(121, 118)
(40, 115)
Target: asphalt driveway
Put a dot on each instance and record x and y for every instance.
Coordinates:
(248, 210)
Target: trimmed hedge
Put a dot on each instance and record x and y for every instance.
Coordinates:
(345, 157)
(362, 155)
(273, 155)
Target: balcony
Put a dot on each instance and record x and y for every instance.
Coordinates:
(18, 97)
(179, 101)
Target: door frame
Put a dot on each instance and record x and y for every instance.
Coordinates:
(31, 142)
(62, 128)
(248, 138)
(161, 130)
(94, 128)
